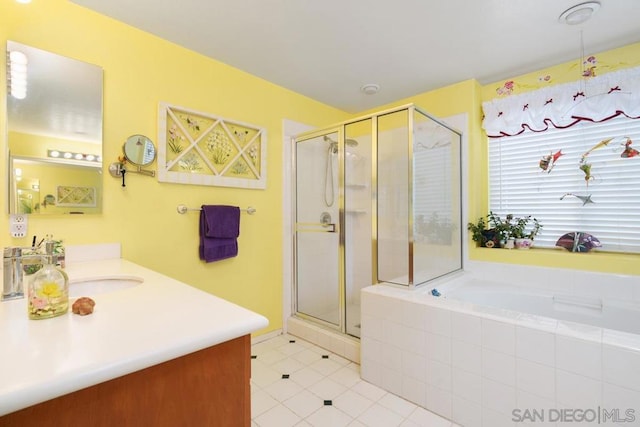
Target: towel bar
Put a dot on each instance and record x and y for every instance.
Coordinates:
(182, 209)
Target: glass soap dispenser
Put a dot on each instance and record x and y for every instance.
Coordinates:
(48, 289)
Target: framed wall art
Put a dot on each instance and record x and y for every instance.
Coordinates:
(79, 197)
(202, 149)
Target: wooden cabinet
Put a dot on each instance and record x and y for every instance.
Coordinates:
(207, 388)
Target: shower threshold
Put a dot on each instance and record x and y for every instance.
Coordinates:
(346, 346)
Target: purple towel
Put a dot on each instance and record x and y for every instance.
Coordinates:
(213, 248)
(221, 221)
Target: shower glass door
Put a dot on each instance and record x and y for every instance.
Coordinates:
(317, 229)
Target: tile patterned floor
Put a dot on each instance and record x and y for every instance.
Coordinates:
(296, 383)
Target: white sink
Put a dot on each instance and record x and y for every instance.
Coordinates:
(102, 285)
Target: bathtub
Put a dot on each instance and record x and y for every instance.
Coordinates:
(556, 347)
(611, 313)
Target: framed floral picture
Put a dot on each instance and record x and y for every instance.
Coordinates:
(203, 149)
(79, 197)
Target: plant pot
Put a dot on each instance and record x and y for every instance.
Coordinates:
(489, 239)
(523, 243)
(510, 243)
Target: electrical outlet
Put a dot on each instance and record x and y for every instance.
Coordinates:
(18, 225)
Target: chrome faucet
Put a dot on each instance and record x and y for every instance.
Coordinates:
(13, 272)
(12, 285)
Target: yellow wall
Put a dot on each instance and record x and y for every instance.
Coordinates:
(31, 145)
(141, 70)
(598, 63)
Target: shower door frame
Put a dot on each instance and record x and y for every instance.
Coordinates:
(340, 229)
(340, 128)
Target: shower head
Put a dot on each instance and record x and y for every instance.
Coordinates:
(333, 145)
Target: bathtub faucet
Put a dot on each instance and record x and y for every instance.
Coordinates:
(13, 271)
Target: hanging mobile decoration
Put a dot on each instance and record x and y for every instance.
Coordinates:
(586, 167)
(584, 199)
(549, 161)
(600, 144)
(628, 151)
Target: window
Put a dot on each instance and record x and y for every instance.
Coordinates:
(563, 198)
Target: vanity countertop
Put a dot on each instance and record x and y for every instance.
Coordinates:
(129, 330)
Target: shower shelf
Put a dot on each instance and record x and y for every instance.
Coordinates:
(356, 185)
(355, 211)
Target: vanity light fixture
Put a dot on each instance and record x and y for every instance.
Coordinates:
(17, 72)
(23, 1)
(57, 154)
(579, 13)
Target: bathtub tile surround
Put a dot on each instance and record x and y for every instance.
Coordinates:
(535, 378)
(621, 366)
(579, 356)
(464, 327)
(482, 362)
(535, 345)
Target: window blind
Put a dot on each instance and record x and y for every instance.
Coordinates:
(607, 205)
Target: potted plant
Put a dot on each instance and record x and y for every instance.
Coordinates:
(488, 238)
(522, 233)
(502, 228)
(508, 233)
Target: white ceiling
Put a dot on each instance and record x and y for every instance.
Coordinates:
(327, 49)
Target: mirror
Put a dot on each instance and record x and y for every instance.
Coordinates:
(54, 133)
(139, 150)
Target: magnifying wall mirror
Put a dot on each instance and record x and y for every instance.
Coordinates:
(54, 110)
(139, 151)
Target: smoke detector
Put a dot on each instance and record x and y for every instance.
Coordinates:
(370, 88)
(579, 13)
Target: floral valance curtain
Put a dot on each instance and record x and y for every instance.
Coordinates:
(597, 99)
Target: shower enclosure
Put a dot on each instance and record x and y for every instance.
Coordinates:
(376, 199)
